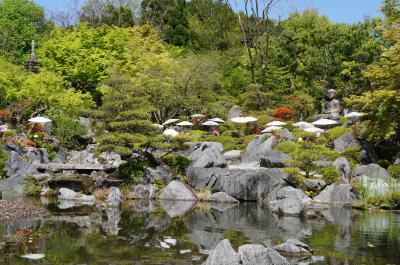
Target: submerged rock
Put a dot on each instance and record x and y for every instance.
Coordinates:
(67, 194)
(337, 194)
(252, 254)
(177, 190)
(294, 247)
(290, 201)
(223, 254)
(177, 208)
(221, 197)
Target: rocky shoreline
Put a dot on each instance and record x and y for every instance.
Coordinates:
(10, 210)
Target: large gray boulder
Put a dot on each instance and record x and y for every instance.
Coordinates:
(291, 202)
(257, 149)
(343, 167)
(342, 194)
(179, 191)
(314, 184)
(161, 172)
(114, 198)
(253, 254)
(294, 247)
(345, 141)
(223, 254)
(70, 195)
(207, 154)
(274, 159)
(233, 155)
(286, 135)
(22, 164)
(396, 159)
(142, 191)
(111, 158)
(372, 170)
(234, 112)
(245, 184)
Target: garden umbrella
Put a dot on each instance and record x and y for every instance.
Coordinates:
(303, 125)
(170, 132)
(324, 122)
(314, 130)
(276, 123)
(4, 128)
(170, 121)
(271, 129)
(210, 123)
(354, 115)
(185, 123)
(197, 115)
(39, 119)
(217, 120)
(244, 119)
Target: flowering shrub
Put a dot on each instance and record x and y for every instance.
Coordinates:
(27, 143)
(284, 114)
(4, 113)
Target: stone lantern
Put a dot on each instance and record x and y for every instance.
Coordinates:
(32, 64)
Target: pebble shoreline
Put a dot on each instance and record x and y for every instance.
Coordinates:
(13, 210)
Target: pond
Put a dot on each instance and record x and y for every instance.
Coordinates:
(183, 233)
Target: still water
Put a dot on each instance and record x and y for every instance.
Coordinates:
(183, 233)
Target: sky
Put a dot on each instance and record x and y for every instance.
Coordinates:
(340, 11)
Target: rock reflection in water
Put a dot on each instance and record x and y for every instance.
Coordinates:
(90, 235)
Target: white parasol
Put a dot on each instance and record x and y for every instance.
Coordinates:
(324, 122)
(170, 121)
(276, 123)
(353, 115)
(303, 124)
(217, 120)
(271, 129)
(39, 119)
(244, 119)
(185, 123)
(210, 123)
(170, 132)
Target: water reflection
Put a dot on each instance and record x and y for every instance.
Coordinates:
(149, 232)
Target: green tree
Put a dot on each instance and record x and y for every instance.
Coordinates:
(382, 104)
(125, 116)
(21, 21)
(170, 17)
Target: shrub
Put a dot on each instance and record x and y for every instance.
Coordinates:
(329, 174)
(394, 171)
(4, 113)
(228, 142)
(27, 143)
(287, 147)
(132, 171)
(32, 187)
(390, 201)
(293, 175)
(9, 133)
(3, 162)
(383, 163)
(284, 114)
(178, 161)
(52, 155)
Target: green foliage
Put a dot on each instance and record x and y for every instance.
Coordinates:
(389, 201)
(67, 129)
(32, 187)
(293, 176)
(329, 174)
(394, 171)
(178, 161)
(336, 132)
(288, 147)
(3, 162)
(52, 155)
(21, 21)
(132, 171)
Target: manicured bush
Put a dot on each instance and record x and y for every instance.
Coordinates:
(228, 141)
(287, 147)
(293, 176)
(179, 161)
(336, 132)
(3, 162)
(284, 114)
(132, 171)
(394, 171)
(329, 174)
